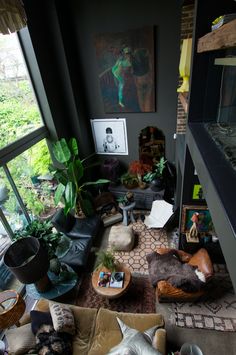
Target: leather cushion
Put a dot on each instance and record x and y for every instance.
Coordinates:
(85, 227)
(78, 253)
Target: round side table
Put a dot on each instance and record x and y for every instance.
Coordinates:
(12, 308)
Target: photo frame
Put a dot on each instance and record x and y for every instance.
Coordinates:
(197, 192)
(110, 136)
(205, 222)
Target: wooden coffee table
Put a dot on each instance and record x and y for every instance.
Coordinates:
(109, 292)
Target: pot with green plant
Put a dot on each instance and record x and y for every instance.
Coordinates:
(129, 180)
(106, 260)
(155, 178)
(139, 169)
(72, 187)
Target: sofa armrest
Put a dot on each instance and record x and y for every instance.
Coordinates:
(159, 341)
(202, 260)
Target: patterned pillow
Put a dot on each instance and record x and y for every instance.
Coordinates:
(62, 318)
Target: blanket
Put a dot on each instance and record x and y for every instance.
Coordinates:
(169, 267)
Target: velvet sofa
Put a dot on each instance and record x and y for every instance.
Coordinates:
(97, 331)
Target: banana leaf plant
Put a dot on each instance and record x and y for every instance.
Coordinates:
(71, 187)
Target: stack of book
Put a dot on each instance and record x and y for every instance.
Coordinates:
(222, 20)
(108, 279)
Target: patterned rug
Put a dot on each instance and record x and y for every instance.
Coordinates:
(139, 298)
(146, 241)
(216, 312)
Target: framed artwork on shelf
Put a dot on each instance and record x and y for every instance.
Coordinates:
(125, 62)
(204, 221)
(197, 192)
(110, 136)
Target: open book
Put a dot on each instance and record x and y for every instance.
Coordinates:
(108, 279)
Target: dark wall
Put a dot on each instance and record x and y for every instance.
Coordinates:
(77, 22)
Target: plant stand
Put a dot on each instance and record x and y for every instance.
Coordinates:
(128, 213)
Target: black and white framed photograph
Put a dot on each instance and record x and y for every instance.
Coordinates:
(110, 136)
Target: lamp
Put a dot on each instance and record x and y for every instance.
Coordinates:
(184, 64)
(12, 16)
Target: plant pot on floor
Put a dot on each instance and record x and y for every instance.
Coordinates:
(29, 262)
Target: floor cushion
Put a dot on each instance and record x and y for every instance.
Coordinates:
(121, 238)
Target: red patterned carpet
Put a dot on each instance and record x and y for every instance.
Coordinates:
(146, 241)
(139, 298)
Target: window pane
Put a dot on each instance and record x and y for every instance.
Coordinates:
(19, 112)
(31, 176)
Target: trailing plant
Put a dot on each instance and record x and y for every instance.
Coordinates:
(106, 259)
(158, 169)
(129, 180)
(70, 176)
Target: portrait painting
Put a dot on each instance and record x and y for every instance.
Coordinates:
(125, 63)
(204, 225)
(110, 136)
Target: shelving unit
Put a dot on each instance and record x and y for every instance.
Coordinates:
(215, 173)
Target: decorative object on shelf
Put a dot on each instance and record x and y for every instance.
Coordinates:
(72, 188)
(184, 64)
(106, 260)
(156, 177)
(222, 20)
(138, 168)
(126, 70)
(12, 16)
(151, 145)
(130, 181)
(12, 308)
(197, 192)
(110, 136)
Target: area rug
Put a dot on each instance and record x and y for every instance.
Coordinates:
(216, 312)
(146, 241)
(139, 298)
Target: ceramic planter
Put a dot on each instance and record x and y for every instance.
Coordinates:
(157, 184)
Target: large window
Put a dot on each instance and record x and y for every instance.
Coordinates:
(26, 187)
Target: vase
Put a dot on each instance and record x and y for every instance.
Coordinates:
(157, 184)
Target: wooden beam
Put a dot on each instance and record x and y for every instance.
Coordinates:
(222, 37)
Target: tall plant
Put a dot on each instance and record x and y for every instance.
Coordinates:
(71, 188)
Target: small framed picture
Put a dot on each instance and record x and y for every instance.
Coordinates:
(110, 136)
(204, 224)
(197, 192)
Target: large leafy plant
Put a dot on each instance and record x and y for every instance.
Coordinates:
(70, 176)
(158, 169)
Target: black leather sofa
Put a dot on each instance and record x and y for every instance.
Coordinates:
(82, 232)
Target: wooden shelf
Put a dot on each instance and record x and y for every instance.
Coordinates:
(222, 37)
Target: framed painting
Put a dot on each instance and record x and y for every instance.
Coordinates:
(197, 192)
(125, 62)
(110, 136)
(204, 224)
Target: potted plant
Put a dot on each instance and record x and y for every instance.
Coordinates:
(155, 178)
(130, 181)
(139, 169)
(70, 176)
(106, 260)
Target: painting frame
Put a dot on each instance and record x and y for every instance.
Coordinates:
(126, 68)
(186, 223)
(110, 136)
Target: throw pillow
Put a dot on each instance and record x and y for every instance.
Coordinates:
(135, 342)
(20, 340)
(48, 341)
(62, 318)
(39, 318)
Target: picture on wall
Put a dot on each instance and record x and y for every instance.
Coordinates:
(204, 224)
(197, 192)
(110, 136)
(125, 62)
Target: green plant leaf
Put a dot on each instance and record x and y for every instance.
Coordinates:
(61, 151)
(59, 193)
(99, 181)
(61, 176)
(70, 195)
(73, 146)
(87, 207)
(75, 171)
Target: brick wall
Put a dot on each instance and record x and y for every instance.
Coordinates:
(186, 32)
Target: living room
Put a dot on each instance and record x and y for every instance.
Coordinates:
(61, 44)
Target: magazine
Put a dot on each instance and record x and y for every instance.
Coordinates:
(108, 279)
(117, 279)
(104, 279)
